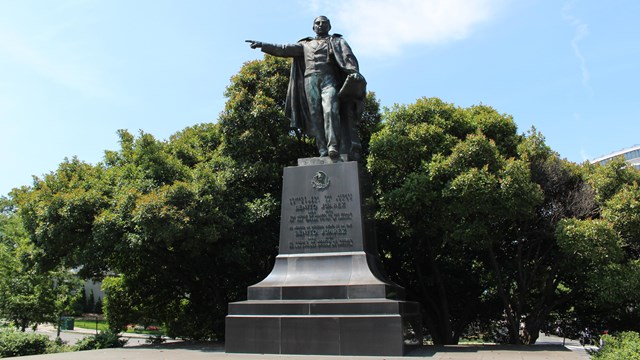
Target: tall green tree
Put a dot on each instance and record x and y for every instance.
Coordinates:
(483, 224)
(449, 189)
(29, 297)
(535, 271)
(611, 299)
(160, 222)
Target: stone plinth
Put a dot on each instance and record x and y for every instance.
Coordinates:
(326, 293)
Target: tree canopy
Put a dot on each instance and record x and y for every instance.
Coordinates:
(483, 224)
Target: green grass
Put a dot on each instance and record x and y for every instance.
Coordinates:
(91, 324)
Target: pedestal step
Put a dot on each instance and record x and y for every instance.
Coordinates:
(324, 307)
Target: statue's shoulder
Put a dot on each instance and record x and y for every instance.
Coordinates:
(337, 39)
(308, 38)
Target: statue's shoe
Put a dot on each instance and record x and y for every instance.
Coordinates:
(333, 152)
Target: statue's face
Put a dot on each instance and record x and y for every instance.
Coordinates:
(321, 25)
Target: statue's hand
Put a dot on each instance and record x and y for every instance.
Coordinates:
(254, 44)
(357, 76)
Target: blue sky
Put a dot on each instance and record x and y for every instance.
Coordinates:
(73, 72)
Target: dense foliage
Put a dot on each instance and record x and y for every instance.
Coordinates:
(485, 227)
(102, 340)
(29, 295)
(14, 343)
(623, 346)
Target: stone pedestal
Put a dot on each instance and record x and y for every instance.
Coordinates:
(326, 293)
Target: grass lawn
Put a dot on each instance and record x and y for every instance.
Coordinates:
(91, 324)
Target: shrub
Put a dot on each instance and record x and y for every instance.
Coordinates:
(14, 343)
(103, 340)
(625, 345)
(58, 346)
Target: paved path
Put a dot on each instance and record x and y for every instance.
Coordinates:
(445, 353)
(72, 336)
(573, 345)
(549, 348)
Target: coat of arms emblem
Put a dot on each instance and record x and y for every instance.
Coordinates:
(320, 181)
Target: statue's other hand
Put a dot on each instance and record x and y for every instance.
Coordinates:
(254, 44)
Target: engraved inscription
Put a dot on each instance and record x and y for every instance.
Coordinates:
(322, 222)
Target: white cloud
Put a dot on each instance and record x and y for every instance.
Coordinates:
(386, 26)
(581, 32)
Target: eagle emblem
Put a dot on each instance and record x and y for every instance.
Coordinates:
(320, 181)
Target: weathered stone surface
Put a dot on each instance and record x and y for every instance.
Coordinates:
(322, 160)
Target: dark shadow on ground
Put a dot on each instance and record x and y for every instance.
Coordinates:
(422, 351)
(187, 345)
(432, 350)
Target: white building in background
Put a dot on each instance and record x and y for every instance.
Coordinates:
(631, 156)
(96, 287)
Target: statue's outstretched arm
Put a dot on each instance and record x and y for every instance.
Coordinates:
(289, 50)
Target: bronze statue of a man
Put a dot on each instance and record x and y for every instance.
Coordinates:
(325, 98)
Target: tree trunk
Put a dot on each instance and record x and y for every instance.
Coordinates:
(437, 313)
(58, 328)
(513, 317)
(464, 320)
(531, 332)
(443, 315)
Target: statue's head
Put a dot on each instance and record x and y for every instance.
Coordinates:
(321, 25)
